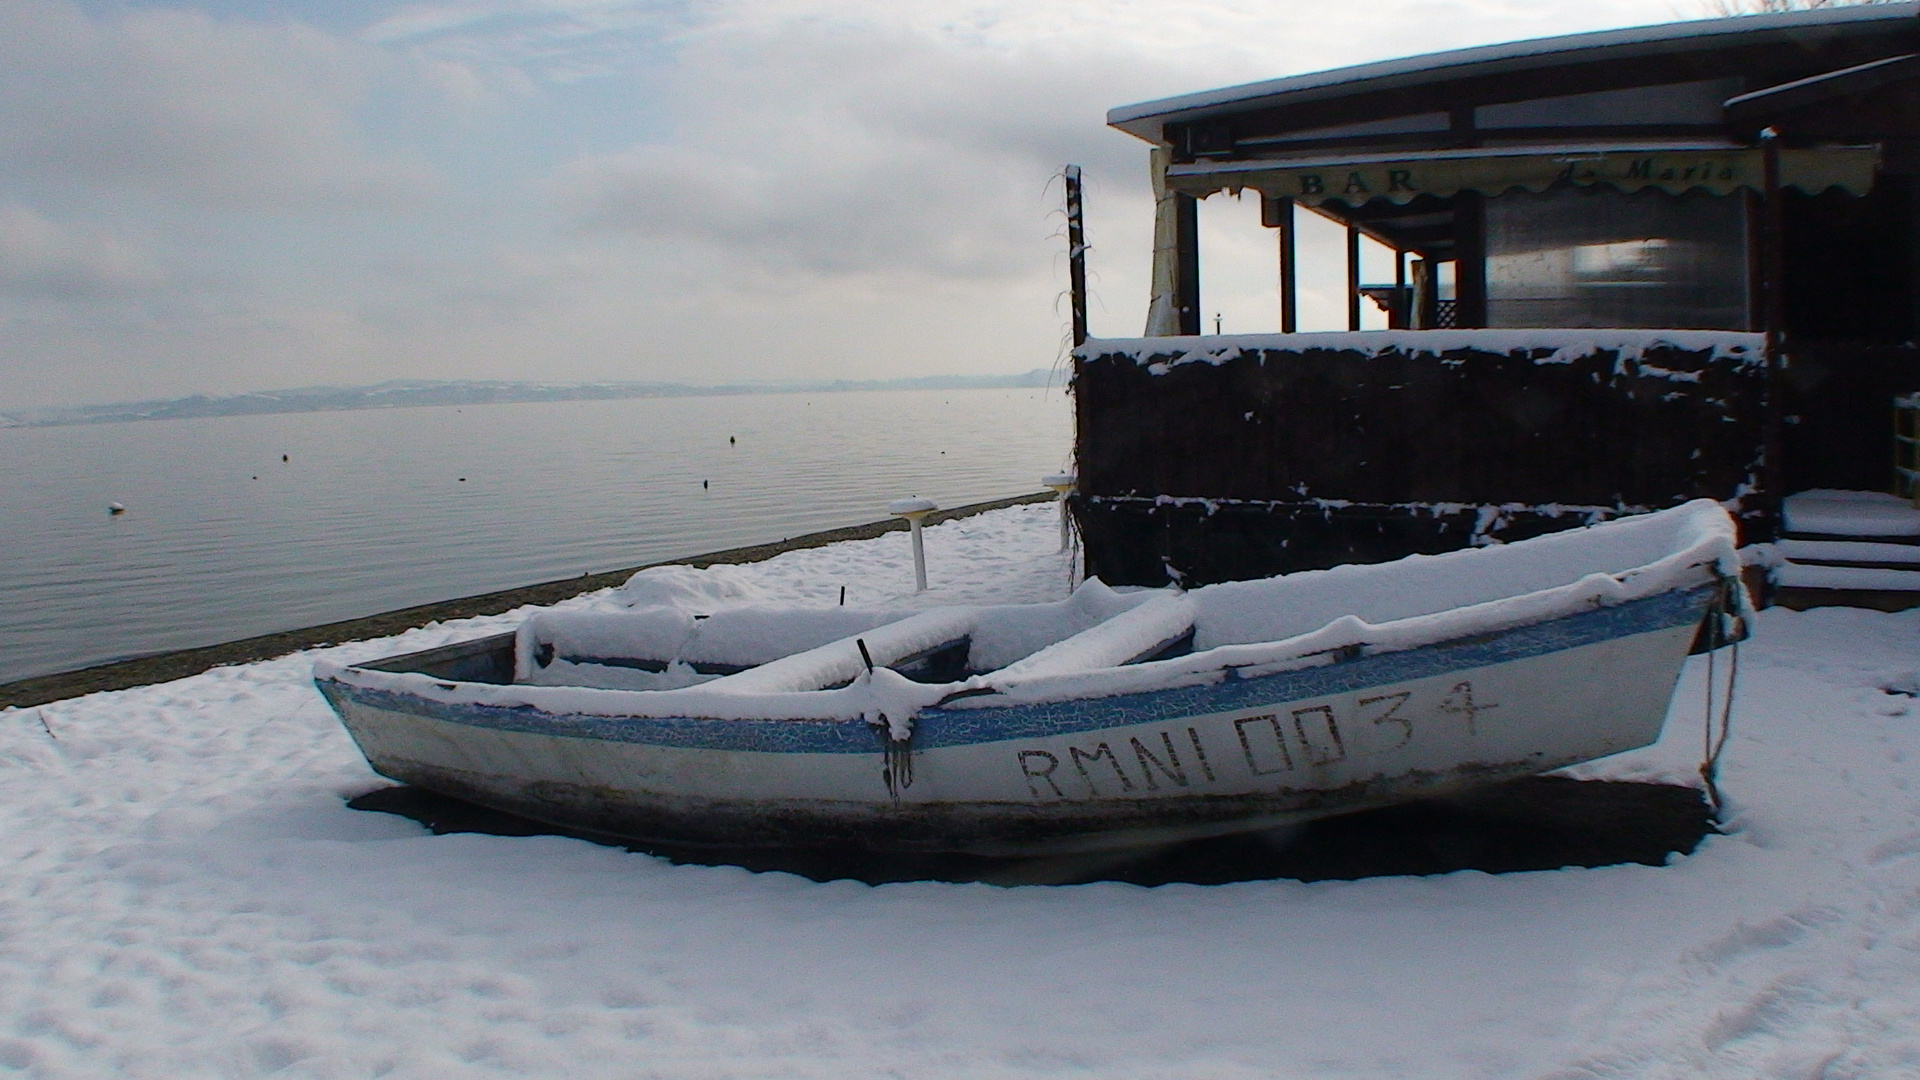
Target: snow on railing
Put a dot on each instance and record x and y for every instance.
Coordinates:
(1545, 346)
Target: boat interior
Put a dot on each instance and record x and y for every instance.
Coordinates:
(758, 648)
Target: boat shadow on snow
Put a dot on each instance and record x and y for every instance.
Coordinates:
(1534, 823)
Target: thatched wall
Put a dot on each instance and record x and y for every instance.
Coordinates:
(1220, 458)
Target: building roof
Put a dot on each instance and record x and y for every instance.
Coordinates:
(1147, 120)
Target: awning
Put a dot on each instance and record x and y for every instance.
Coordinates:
(1357, 179)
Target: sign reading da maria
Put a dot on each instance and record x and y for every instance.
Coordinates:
(1717, 172)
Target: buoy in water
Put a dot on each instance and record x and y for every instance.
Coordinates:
(284, 457)
(114, 509)
(731, 441)
(703, 485)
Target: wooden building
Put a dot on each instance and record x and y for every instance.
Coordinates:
(1631, 268)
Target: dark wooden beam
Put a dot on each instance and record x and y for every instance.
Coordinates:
(1756, 222)
(1427, 286)
(1278, 214)
(1353, 277)
(1757, 107)
(1402, 309)
(1774, 265)
(1428, 241)
(1761, 65)
(1186, 279)
(1470, 259)
(1452, 138)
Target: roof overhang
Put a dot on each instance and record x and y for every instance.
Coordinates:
(1149, 119)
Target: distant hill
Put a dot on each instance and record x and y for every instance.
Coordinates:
(411, 393)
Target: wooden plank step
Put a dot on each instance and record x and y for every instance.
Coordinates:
(1850, 538)
(1801, 599)
(1800, 575)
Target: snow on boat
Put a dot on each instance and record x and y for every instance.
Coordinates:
(1108, 719)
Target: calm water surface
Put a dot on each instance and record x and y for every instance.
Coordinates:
(370, 512)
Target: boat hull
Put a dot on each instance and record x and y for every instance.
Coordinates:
(1230, 755)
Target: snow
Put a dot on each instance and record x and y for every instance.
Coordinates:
(736, 636)
(187, 895)
(1479, 589)
(1256, 627)
(1848, 551)
(839, 661)
(1797, 575)
(1851, 513)
(1842, 75)
(1136, 632)
(1548, 346)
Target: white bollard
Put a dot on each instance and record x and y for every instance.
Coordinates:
(1062, 485)
(913, 510)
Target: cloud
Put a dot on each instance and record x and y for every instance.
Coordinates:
(527, 41)
(678, 189)
(846, 148)
(852, 137)
(175, 103)
(40, 257)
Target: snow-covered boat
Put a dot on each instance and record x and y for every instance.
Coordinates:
(1106, 719)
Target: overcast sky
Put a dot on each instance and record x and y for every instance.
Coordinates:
(231, 195)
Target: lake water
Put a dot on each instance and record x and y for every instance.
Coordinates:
(370, 512)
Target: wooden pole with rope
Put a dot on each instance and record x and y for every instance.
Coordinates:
(1076, 253)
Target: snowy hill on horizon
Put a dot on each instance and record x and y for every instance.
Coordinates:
(411, 393)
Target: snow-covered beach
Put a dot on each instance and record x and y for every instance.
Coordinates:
(190, 896)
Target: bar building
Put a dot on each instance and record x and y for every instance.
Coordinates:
(1630, 268)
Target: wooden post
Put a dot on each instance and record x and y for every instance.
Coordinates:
(1756, 205)
(1402, 317)
(1470, 260)
(1426, 294)
(1353, 277)
(1076, 254)
(1187, 276)
(1773, 500)
(1277, 213)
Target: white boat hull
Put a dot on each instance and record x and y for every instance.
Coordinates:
(1235, 754)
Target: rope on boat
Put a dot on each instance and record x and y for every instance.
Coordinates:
(898, 767)
(897, 754)
(1714, 742)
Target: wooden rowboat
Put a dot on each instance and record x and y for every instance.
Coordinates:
(1106, 720)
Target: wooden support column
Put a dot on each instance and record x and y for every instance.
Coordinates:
(1401, 317)
(1756, 204)
(1353, 277)
(1186, 294)
(1773, 269)
(1076, 252)
(1912, 184)
(1426, 295)
(1277, 214)
(1470, 265)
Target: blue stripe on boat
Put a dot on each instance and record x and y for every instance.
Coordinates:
(937, 728)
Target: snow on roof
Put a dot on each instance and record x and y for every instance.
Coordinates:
(1146, 119)
(1843, 75)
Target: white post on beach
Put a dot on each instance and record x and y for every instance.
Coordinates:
(913, 510)
(1062, 485)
